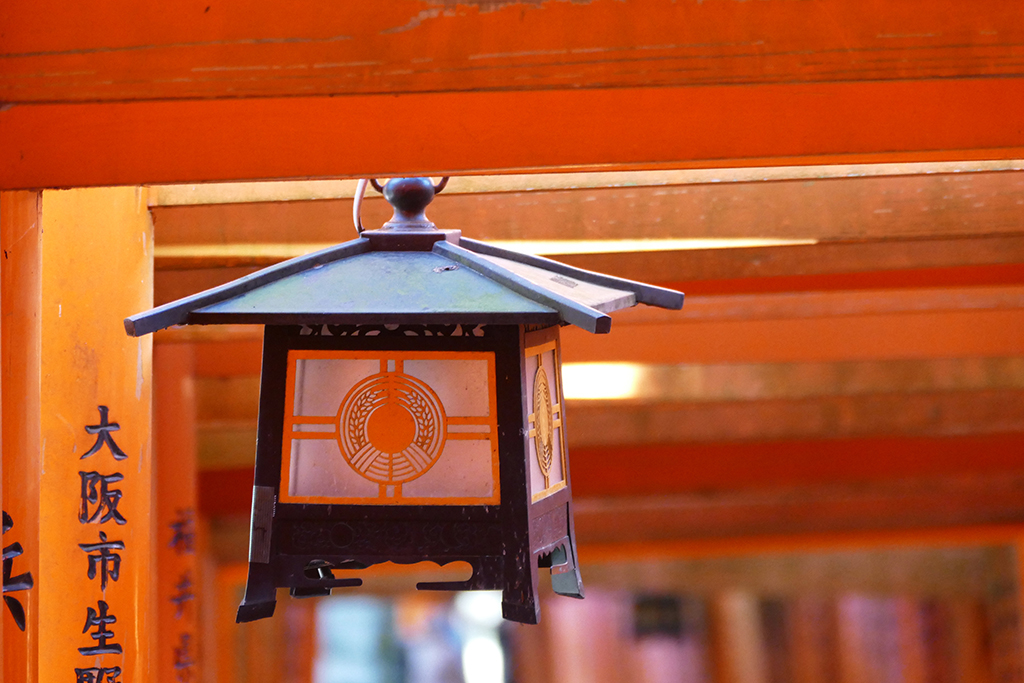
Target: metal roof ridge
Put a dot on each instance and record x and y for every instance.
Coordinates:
(573, 312)
(645, 293)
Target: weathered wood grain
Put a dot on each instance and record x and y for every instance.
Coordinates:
(123, 50)
(852, 208)
(822, 511)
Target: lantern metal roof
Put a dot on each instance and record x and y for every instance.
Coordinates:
(398, 275)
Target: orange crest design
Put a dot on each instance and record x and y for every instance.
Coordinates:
(391, 428)
(544, 421)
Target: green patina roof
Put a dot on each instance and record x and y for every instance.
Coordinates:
(411, 280)
(378, 285)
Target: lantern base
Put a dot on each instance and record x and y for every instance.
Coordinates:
(254, 611)
(568, 584)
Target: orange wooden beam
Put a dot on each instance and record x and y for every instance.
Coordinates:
(950, 205)
(903, 412)
(944, 511)
(61, 145)
(638, 470)
(929, 334)
(106, 50)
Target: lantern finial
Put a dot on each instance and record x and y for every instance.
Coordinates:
(409, 197)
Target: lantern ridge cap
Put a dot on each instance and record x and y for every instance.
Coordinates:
(574, 312)
(652, 295)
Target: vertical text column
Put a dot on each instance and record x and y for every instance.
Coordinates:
(95, 477)
(20, 268)
(178, 583)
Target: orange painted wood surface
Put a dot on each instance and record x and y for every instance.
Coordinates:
(913, 206)
(19, 359)
(736, 488)
(122, 50)
(178, 582)
(88, 287)
(94, 267)
(714, 519)
(931, 334)
(61, 145)
(899, 412)
(665, 469)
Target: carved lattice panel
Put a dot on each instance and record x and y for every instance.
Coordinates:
(390, 428)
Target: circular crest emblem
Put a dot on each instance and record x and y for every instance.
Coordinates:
(391, 428)
(543, 423)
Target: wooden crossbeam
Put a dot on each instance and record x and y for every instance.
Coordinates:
(117, 50)
(115, 93)
(664, 469)
(702, 523)
(929, 334)
(205, 140)
(818, 417)
(941, 205)
(307, 190)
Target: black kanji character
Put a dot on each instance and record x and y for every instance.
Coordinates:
(97, 492)
(97, 674)
(183, 595)
(12, 584)
(100, 557)
(183, 532)
(103, 429)
(100, 619)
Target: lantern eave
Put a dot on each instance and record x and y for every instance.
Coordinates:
(447, 279)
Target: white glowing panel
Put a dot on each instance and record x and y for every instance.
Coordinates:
(390, 428)
(546, 442)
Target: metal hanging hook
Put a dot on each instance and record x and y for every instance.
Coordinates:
(357, 205)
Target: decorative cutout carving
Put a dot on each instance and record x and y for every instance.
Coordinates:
(544, 432)
(392, 428)
(393, 330)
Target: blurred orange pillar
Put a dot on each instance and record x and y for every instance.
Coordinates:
(174, 449)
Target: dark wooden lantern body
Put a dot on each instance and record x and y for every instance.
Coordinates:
(303, 546)
(386, 322)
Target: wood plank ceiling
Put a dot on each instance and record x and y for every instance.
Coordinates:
(861, 369)
(866, 375)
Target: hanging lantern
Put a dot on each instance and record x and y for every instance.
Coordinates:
(411, 407)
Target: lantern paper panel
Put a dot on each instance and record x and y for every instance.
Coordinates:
(546, 442)
(390, 428)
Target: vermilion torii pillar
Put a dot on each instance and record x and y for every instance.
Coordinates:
(77, 462)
